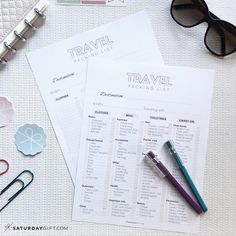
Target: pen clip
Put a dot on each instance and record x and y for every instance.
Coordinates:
(171, 147)
(152, 160)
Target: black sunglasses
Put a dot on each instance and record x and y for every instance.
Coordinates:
(220, 37)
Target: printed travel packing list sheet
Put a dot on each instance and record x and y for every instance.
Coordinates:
(129, 110)
(60, 71)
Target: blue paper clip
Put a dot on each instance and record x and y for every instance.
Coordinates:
(17, 180)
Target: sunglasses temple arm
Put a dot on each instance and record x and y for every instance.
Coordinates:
(221, 33)
(222, 39)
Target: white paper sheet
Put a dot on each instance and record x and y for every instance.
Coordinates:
(60, 71)
(129, 110)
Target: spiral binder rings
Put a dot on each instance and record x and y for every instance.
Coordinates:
(24, 29)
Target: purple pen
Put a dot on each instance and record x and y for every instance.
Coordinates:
(159, 165)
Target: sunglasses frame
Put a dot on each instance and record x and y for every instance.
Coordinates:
(210, 19)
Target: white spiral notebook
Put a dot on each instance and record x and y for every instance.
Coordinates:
(18, 19)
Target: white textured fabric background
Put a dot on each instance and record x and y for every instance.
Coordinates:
(48, 201)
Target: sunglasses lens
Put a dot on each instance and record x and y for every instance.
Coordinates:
(221, 38)
(188, 12)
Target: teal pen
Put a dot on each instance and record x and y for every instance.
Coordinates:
(187, 177)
